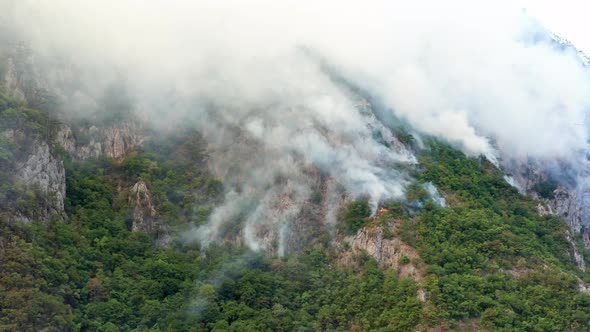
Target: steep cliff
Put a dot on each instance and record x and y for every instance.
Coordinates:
(566, 197)
(114, 141)
(561, 189)
(381, 243)
(32, 170)
(145, 218)
(44, 171)
(21, 77)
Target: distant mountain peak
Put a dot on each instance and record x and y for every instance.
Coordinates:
(565, 43)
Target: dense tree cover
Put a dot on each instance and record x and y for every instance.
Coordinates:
(354, 216)
(102, 277)
(26, 124)
(546, 188)
(93, 274)
(173, 169)
(490, 256)
(487, 259)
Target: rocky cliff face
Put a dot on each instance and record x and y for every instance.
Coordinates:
(389, 251)
(145, 217)
(115, 141)
(44, 171)
(39, 168)
(570, 198)
(40, 174)
(21, 78)
(569, 201)
(144, 213)
(573, 205)
(35, 172)
(12, 81)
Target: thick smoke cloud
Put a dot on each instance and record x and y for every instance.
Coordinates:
(486, 78)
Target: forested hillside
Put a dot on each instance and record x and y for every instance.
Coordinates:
(485, 261)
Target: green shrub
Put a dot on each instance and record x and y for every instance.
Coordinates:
(354, 216)
(404, 260)
(546, 188)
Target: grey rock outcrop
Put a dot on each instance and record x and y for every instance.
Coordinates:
(114, 141)
(570, 202)
(45, 172)
(388, 251)
(120, 140)
(12, 82)
(578, 257)
(22, 79)
(569, 206)
(144, 213)
(145, 216)
(65, 138)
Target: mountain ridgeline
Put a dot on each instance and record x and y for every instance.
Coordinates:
(104, 225)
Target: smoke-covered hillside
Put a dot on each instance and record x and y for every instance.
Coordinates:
(235, 159)
(288, 83)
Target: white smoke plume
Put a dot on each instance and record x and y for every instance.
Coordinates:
(484, 77)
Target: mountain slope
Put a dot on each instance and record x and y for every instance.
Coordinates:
(487, 260)
(324, 212)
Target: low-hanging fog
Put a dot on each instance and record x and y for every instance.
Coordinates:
(274, 87)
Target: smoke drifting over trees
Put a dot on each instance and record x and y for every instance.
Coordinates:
(266, 83)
